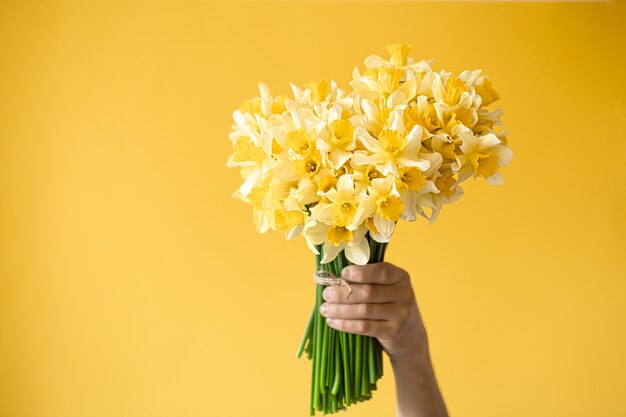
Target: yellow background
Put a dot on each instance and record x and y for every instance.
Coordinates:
(133, 285)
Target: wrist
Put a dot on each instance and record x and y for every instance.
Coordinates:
(415, 357)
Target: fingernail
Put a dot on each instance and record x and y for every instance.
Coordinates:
(346, 272)
(326, 293)
(323, 309)
(330, 321)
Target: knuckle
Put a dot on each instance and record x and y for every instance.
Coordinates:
(367, 291)
(365, 326)
(364, 310)
(361, 326)
(337, 324)
(404, 274)
(384, 271)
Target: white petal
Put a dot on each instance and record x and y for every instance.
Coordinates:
(338, 157)
(334, 114)
(345, 185)
(250, 182)
(379, 238)
(366, 208)
(505, 154)
(370, 143)
(421, 164)
(331, 251)
(397, 122)
(409, 198)
(414, 139)
(261, 220)
(296, 119)
(396, 98)
(488, 141)
(384, 226)
(315, 232)
(363, 159)
(436, 160)
(374, 61)
(369, 108)
(294, 231)
(383, 185)
(496, 179)
(358, 254)
(322, 212)
(465, 172)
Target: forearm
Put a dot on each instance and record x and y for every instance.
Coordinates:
(417, 391)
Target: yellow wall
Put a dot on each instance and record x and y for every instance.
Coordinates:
(133, 285)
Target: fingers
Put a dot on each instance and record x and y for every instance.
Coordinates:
(377, 273)
(362, 293)
(375, 328)
(364, 311)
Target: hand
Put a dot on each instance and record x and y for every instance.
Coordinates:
(382, 304)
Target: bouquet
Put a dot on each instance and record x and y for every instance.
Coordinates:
(342, 167)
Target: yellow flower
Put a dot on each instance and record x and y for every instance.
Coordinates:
(300, 141)
(486, 91)
(410, 178)
(319, 90)
(446, 184)
(338, 234)
(341, 206)
(399, 53)
(286, 219)
(481, 156)
(383, 204)
(335, 239)
(252, 106)
(452, 96)
(393, 149)
(337, 142)
(375, 117)
(337, 165)
(309, 165)
(246, 152)
(364, 174)
(326, 180)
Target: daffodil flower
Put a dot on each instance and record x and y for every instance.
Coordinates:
(383, 204)
(392, 149)
(341, 204)
(337, 166)
(337, 141)
(336, 239)
(481, 156)
(445, 190)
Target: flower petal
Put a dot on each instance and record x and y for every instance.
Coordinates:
(366, 208)
(368, 140)
(358, 254)
(331, 251)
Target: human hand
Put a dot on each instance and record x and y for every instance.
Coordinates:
(382, 305)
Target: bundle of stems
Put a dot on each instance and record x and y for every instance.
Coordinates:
(345, 366)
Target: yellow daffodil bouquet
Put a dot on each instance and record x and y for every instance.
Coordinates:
(342, 167)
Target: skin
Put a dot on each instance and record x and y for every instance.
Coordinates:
(383, 305)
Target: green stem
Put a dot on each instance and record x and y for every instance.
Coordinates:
(307, 333)
(346, 366)
(370, 356)
(318, 347)
(336, 382)
(364, 378)
(357, 364)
